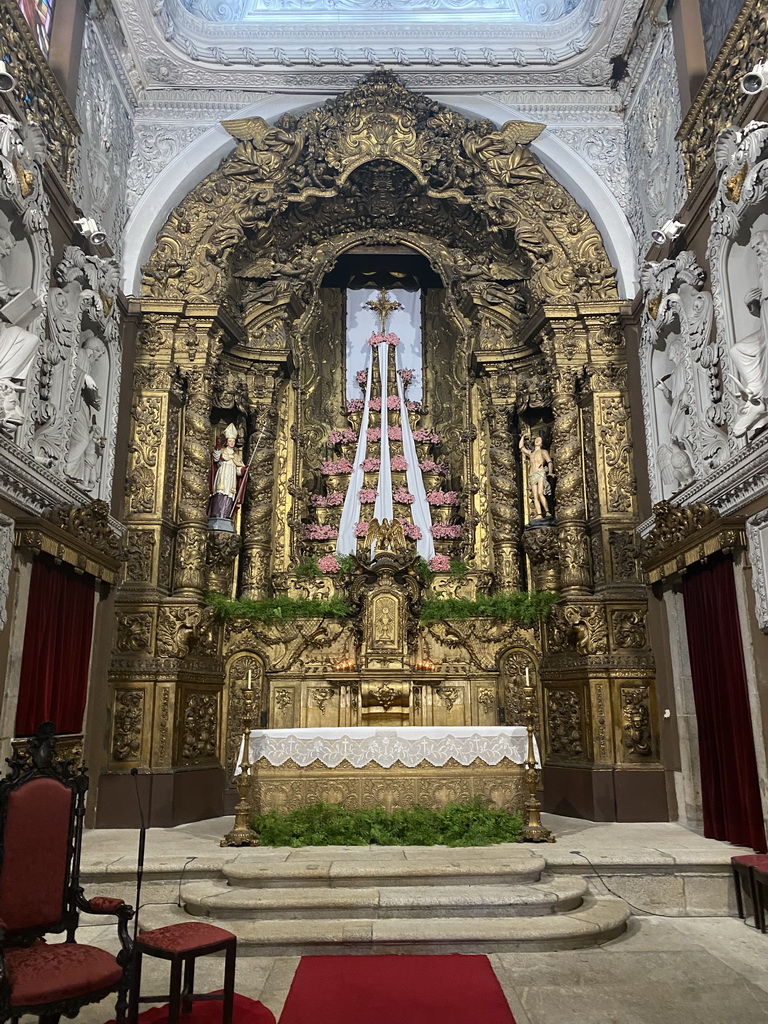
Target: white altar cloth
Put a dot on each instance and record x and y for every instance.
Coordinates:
(410, 745)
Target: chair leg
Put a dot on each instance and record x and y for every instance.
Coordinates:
(229, 984)
(739, 899)
(189, 985)
(121, 1006)
(757, 902)
(174, 1000)
(135, 990)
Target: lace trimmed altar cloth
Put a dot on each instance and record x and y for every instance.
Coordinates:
(409, 746)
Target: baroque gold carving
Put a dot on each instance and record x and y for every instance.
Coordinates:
(636, 716)
(127, 725)
(564, 717)
(199, 726)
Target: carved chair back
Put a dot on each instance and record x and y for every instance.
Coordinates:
(42, 804)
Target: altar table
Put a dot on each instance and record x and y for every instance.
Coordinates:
(393, 767)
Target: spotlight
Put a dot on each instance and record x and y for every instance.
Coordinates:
(7, 81)
(89, 229)
(669, 230)
(755, 80)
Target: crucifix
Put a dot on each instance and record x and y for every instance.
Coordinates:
(383, 308)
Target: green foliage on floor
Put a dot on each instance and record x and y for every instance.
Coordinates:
(467, 824)
(516, 605)
(282, 607)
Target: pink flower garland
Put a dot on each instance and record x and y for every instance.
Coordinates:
(355, 405)
(328, 563)
(413, 406)
(361, 528)
(411, 530)
(319, 531)
(370, 465)
(440, 563)
(375, 405)
(445, 532)
(430, 466)
(373, 434)
(395, 433)
(331, 466)
(331, 500)
(361, 379)
(341, 437)
(402, 496)
(426, 435)
(406, 376)
(367, 495)
(443, 498)
(398, 464)
(383, 339)
(393, 402)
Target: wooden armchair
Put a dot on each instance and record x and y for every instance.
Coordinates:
(42, 803)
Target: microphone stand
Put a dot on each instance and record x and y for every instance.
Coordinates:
(142, 847)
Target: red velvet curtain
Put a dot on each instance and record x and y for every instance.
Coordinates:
(57, 648)
(729, 779)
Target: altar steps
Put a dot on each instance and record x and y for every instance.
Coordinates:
(410, 900)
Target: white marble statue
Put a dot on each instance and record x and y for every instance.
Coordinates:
(749, 358)
(18, 348)
(7, 242)
(85, 442)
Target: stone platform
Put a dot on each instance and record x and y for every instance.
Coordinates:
(576, 893)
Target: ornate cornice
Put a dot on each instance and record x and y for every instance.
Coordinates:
(39, 94)
(685, 534)
(80, 536)
(720, 102)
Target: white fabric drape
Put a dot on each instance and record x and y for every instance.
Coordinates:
(383, 508)
(420, 512)
(346, 544)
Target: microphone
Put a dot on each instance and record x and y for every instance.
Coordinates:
(142, 846)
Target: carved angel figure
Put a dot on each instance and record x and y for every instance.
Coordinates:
(385, 535)
(265, 150)
(503, 153)
(675, 464)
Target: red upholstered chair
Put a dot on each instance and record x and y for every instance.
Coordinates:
(744, 869)
(42, 803)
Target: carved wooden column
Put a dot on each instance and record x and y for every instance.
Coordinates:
(570, 508)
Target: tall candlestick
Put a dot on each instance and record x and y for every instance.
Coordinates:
(527, 676)
(249, 684)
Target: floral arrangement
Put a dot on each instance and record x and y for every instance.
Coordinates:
(355, 405)
(398, 464)
(375, 405)
(331, 500)
(426, 435)
(443, 498)
(319, 531)
(411, 530)
(403, 496)
(330, 466)
(370, 465)
(406, 376)
(395, 433)
(341, 437)
(361, 528)
(413, 406)
(383, 339)
(361, 379)
(440, 532)
(328, 563)
(430, 466)
(440, 563)
(373, 433)
(367, 495)
(393, 402)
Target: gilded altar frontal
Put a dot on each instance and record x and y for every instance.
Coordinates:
(522, 419)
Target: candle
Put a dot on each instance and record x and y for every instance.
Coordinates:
(249, 684)
(527, 676)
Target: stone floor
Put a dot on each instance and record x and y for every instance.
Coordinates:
(663, 970)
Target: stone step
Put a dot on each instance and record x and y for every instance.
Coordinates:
(511, 865)
(217, 900)
(597, 920)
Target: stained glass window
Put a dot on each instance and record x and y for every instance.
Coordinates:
(38, 14)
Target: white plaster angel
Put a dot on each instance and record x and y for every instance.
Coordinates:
(749, 358)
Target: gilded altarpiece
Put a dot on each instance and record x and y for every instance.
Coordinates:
(243, 322)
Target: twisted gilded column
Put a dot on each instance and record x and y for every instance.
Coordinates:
(189, 563)
(503, 483)
(570, 507)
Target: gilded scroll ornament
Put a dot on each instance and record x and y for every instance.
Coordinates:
(635, 708)
(127, 719)
(199, 726)
(564, 716)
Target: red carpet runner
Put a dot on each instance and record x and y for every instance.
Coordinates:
(244, 1011)
(452, 989)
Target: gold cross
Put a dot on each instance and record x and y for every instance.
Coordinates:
(384, 307)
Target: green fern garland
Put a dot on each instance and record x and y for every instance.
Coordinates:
(515, 605)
